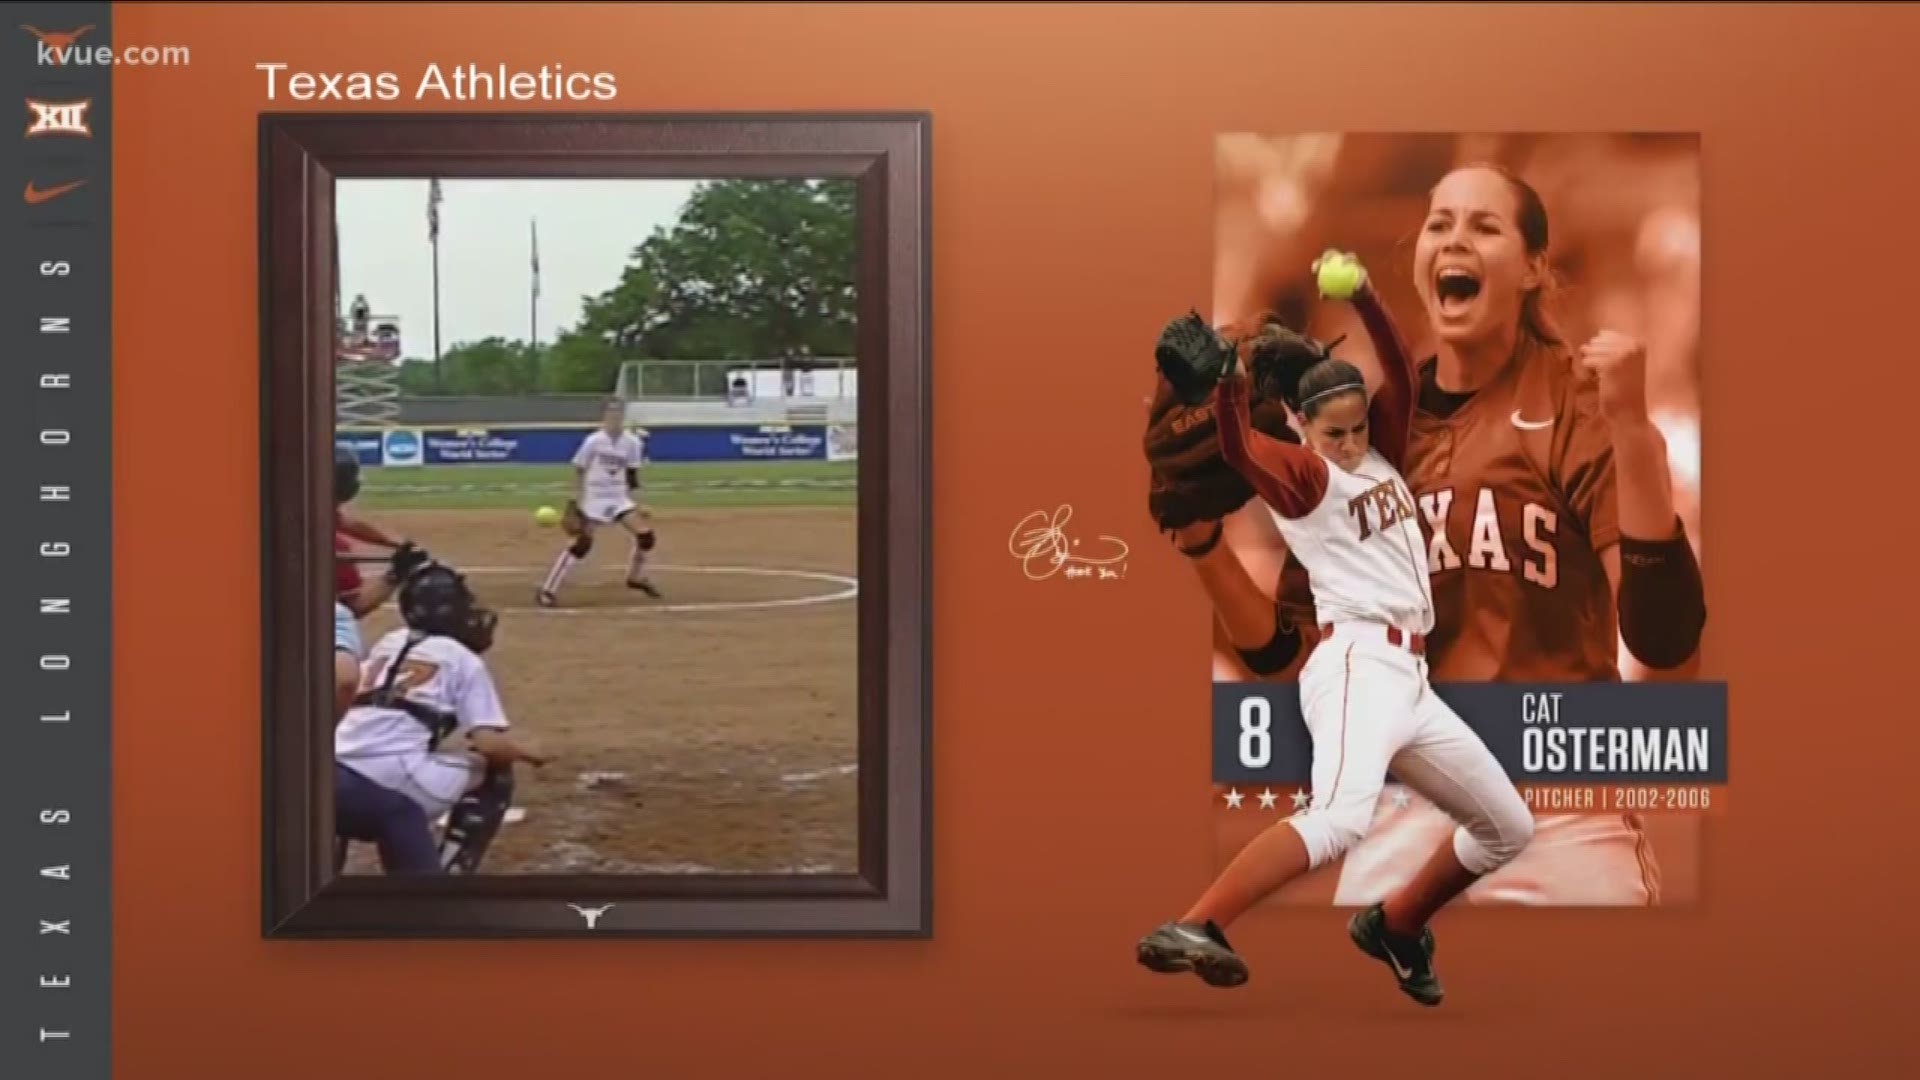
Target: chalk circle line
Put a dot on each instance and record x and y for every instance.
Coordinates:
(847, 588)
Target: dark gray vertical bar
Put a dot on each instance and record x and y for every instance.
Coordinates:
(55, 836)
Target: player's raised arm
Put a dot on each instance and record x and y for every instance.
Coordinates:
(1391, 411)
(1620, 478)
(1290, 478)
(1390, 414)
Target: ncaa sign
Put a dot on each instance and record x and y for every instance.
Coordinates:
(400, 446)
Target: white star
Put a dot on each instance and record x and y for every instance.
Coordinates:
(1401, 799)
(1266, 799)
(1301, 799)
(1234, 798)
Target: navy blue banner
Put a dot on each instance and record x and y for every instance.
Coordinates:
(1574, 733)
(556, 445)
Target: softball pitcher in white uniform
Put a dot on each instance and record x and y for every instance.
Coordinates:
(1347, 515)
(607, 479)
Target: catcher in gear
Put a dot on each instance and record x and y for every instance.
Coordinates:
(1191, 487)
(428, 723)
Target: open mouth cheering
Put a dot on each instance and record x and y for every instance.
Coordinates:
(1454, 289)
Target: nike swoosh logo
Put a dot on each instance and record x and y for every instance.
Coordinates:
(1201, 939)
(1394, 962)
(1531, 425)
(35, 196)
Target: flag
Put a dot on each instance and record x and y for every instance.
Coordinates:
(533, 228)
(433, 210)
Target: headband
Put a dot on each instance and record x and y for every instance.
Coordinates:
(1332, 390)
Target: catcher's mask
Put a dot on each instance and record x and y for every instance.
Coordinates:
(346, 475)
(436, 600)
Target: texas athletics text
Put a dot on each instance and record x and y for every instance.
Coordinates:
(453, 82)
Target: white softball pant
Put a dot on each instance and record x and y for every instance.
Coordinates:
(605, 509)
(434, 780)
(1368, 709)
(1575, 860)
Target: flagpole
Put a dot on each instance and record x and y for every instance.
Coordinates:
(334, 347)
(437, 383)
(433, 235)
(533, 298)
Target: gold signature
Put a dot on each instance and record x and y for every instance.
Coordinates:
(1044, 549)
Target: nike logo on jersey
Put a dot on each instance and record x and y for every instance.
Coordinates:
(1531, 425)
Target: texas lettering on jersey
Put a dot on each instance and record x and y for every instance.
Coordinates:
(1514, 494)
(1380, 508)
(1516, 498)
(1488, 546)
(1348, 573)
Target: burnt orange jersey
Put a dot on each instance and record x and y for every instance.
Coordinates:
(1515, 485)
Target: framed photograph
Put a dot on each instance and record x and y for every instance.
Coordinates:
(1498, 284)
(584, 615)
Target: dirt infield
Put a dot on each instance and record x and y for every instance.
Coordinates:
(713, 730)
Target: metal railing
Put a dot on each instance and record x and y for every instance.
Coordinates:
(366, 394)
(825, 379)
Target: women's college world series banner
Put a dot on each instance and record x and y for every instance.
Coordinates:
(556, 445)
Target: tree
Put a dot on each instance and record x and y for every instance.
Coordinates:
(416, 378)
(579, 363)
(753, 269)
(493, 367)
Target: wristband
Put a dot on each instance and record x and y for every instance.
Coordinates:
(1205, 547)
(1662, 602)
(1276, 654)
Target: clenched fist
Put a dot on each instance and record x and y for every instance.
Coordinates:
(1617, 363)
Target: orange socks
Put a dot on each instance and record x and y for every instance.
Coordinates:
(1439, 881)
(1274, 858)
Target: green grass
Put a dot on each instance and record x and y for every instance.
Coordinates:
(525, 487)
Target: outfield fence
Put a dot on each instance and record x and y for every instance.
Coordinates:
(554, 444)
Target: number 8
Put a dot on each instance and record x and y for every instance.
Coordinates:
(1256, 745)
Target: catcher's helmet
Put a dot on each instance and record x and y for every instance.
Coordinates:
(346, 475)
(436, 600)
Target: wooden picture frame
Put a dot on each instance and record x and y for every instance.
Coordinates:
(887, 155)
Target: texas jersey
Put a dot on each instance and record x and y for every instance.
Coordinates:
(606, 459)
(1515, 486)
(1362, 548)
(391, 744)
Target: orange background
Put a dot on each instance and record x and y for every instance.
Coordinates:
(1072, 215)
